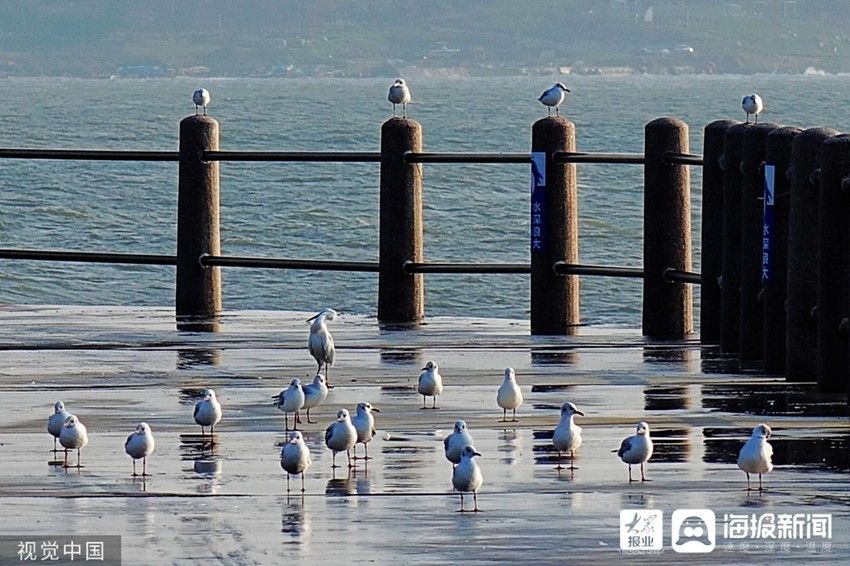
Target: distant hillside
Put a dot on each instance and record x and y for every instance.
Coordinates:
(93, 38)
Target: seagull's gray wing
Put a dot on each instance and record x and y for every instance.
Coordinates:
(625, 447)
(329, 433)
(197, 408)
(129, 438)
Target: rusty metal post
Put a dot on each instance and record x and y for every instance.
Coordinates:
(711, 231)
(833, 271)
(198, 300)
(801, 337)
(401, 295)
(555, 298)
(667, 307)
(730, 279)
(775, 271)
(752, 229)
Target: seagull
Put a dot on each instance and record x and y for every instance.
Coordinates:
(201, 97)
(399, 94)
(430, 383)
(290, 400)
(56, 421)
(340, 436)
(456, 442)
(364, 424)
(466, 476)
(509, 396)
(73, 437)
(321, 342)
(567, 436)
(295, 458)
(208, 411)
(140, 444)
(752, 104)
(554, 97)
(755, 455)
(314, 395)
(637, 449)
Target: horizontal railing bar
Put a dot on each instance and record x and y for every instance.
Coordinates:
(583, 157)
(683, 158)
(445, 267)
(562, 268)
(433, 157)
(88, 257)
(278, 263)
(298, 156)
(88, 154)
(676, 276)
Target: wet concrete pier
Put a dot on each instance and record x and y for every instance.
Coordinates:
(114, 367)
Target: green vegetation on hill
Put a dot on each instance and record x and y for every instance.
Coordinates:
(377, 37)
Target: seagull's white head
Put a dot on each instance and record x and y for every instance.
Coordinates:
(400, 82)
(325, 314)
(295, 383)
(71, 422)
(562, 87)
(469, 452)
(208, 394)
(295, 437)
(366, 408)
(569, 408)
(430, 365)
(318, 379)
(460, 426)
(342, 415)
(642, 428)
(143, 428)
(58, 407)
(762, 431)
(509, 374)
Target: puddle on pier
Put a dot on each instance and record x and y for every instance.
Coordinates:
(774, 399)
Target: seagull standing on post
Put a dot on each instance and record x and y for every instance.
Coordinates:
(755, 456)
(321, 342)
(567, 436)
(201, 98)
(637, 449)
(140, 444)
(553, 97)
(752, 104)
(430, 383)
(399, 94)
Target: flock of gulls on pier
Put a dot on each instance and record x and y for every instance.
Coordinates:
(345, 433)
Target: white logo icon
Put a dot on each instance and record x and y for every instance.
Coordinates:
(693, 530)
(641, 530)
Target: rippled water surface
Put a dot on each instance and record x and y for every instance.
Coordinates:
(330, 211)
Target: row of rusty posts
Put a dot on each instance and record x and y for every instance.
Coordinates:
(667, 307)
(775, 292)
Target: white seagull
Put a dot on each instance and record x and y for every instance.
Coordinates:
(637, 449)
(509, 396)
(207, 411)
(340, 436)
(755, 456)
(553, 97)
(56, 421)
(74, 436)
(456, 442)
(321, 342)
(752, 104)
(314, 395)
(466, 476)
(140, 444)
(295, 458)
(364, 424)
(430, 383)
(567, 436)
(290, 400)
(201, 98)
(399, 94)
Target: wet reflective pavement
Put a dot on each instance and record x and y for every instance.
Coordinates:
(225, 498)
